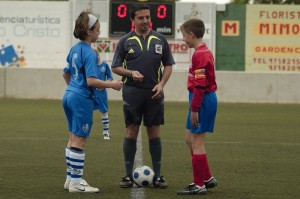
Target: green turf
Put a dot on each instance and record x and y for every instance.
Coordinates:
(254, 152)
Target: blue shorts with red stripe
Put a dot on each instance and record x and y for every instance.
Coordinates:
(206, 114)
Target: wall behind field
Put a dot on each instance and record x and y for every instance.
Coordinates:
(232, 86)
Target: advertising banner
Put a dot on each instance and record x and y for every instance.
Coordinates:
(273, 38)
(180, 51)
(187, 10)
(230, 38)
(99, 8)
(204, 11)
(34, 34)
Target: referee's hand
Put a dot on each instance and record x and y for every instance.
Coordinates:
(159, 92)
(137, 76)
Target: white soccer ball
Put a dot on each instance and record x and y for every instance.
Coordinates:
(143, 176)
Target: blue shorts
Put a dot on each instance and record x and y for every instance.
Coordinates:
(101, 101)
(79, 113)
(206, 114)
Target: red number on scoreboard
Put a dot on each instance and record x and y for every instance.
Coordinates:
(122, 10)
(161, 11)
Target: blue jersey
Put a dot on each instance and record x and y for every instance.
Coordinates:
(77, 101)
(81, 64)
(104, 72)
(101, 100)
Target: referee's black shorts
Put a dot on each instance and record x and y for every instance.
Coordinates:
(138, 105)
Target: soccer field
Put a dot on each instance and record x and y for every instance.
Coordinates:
(253, 153)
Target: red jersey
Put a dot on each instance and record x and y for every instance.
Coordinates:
(201, 77)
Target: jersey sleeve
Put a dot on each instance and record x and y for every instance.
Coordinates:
(90, 64)
(198, 95)
(119, 54)
(200, 80)
(67, 68)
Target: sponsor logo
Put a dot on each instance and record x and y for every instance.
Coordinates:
(80, 189)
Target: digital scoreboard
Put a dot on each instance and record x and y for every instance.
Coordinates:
(162, 18)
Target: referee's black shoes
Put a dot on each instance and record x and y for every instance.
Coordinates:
(126, 182)
(160, 182)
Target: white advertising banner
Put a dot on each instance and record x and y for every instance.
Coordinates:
(99, 8)
(204, 11)
(34, 34)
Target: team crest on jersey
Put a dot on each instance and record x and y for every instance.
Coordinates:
(158, 48)
(85, 128)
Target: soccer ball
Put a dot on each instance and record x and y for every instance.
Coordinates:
(143, 176)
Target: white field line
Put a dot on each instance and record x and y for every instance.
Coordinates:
(138, 193)
(169, 141)
(242, 143)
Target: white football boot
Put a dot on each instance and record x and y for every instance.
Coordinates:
(83, 187)
(67, 184)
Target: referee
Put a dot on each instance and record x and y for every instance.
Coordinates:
(144, 59)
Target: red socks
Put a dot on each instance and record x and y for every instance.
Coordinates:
(207, 174)
(201, 170)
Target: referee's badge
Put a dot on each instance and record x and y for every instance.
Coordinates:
(158, 49)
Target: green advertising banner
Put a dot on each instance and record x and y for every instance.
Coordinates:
(273, 38)
(230, 38)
